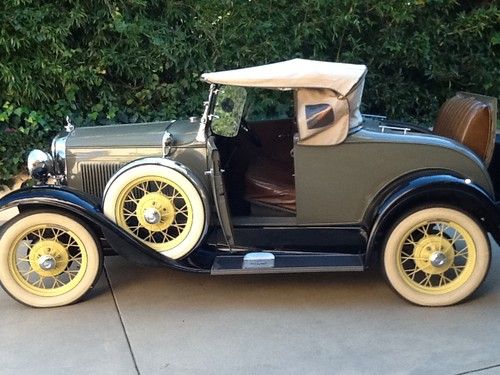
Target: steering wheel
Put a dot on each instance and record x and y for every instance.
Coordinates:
(252, 136)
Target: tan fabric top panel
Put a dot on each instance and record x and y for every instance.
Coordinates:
(332, 134)
(296, 73)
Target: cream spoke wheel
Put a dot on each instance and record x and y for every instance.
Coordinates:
(160, 207)
(49, 259)
(156, 210)
(436, 256)
(430, 261)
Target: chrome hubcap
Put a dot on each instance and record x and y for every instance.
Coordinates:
(47, 262)
(152, 216)
(438, 259)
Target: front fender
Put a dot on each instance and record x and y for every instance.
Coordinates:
(88, 209)
(431, 189)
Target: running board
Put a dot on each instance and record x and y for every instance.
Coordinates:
(267, 262)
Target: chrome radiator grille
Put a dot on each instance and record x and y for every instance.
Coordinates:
(96, 175)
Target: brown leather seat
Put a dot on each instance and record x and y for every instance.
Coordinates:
(271, 181)
(468, 121)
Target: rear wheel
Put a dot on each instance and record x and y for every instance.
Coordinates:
(436, 256)
(48, 259)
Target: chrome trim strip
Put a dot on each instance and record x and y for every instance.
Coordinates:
(376, 117)
(250, 271)
(395, 128)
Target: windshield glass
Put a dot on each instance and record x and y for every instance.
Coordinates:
(228, 110)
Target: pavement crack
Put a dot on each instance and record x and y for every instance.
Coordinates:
(121, 320)
(478, 370)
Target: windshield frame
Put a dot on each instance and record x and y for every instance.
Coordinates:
(213, 100)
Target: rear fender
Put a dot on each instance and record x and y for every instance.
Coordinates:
(442, 189)
(86, 208)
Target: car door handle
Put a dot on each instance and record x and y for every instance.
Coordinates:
(211, 172)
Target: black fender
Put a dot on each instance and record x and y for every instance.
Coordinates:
(85, 207)
(420, 190)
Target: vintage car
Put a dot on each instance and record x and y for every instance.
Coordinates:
(325, 190)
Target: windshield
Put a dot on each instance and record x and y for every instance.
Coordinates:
(228, 110)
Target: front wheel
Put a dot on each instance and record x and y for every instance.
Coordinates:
(48, 259)
(436, 256)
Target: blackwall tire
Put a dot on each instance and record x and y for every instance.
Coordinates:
(169, 197)
(442, 266)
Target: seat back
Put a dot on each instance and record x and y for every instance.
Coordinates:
(470, 120)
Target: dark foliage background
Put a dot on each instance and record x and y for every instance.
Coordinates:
(137, 60)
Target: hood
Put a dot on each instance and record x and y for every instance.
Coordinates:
(149, 134)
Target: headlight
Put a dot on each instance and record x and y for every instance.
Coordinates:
(58, 151)
(40, 165)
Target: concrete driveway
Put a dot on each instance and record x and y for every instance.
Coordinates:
(150, 320)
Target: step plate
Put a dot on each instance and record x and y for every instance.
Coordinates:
(289, 263)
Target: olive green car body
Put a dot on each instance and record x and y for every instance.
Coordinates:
(335, 185)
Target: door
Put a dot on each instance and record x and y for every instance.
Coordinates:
(219, 192)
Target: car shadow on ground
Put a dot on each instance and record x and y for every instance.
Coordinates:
(326, 290)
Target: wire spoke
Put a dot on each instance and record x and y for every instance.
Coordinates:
(129, 215)
(462, 253)
(442, 278)
(158, 185)
(26, 242)
(427, 279)
(75, 258)
(55, 283)
(410, 242)
(40, 233)
(412, 272)
(71, 243)
(133, 196)
(40, 283)
(423, 229)
(71, 273)
(26, 275)
(149, 236)
(406, 259)
(167, 237)
(456, 236)
(57, 232)
(128, 211)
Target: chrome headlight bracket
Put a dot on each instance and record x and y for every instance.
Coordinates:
(58, 151)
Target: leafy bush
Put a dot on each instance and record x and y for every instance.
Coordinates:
(139, 60)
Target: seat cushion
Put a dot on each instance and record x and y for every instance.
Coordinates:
(467, 120)
(270, 181)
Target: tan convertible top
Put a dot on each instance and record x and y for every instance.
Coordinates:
(296, 73)
(328, 94)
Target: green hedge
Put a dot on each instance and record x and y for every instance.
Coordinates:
(136, 60)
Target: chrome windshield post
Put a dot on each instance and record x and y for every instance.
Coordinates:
(205, 119)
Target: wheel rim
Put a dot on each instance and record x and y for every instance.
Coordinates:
(48, 260)
(436, 257)
(155, 210)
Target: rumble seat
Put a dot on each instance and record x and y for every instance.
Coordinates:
(270, 181)
(468, 120)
